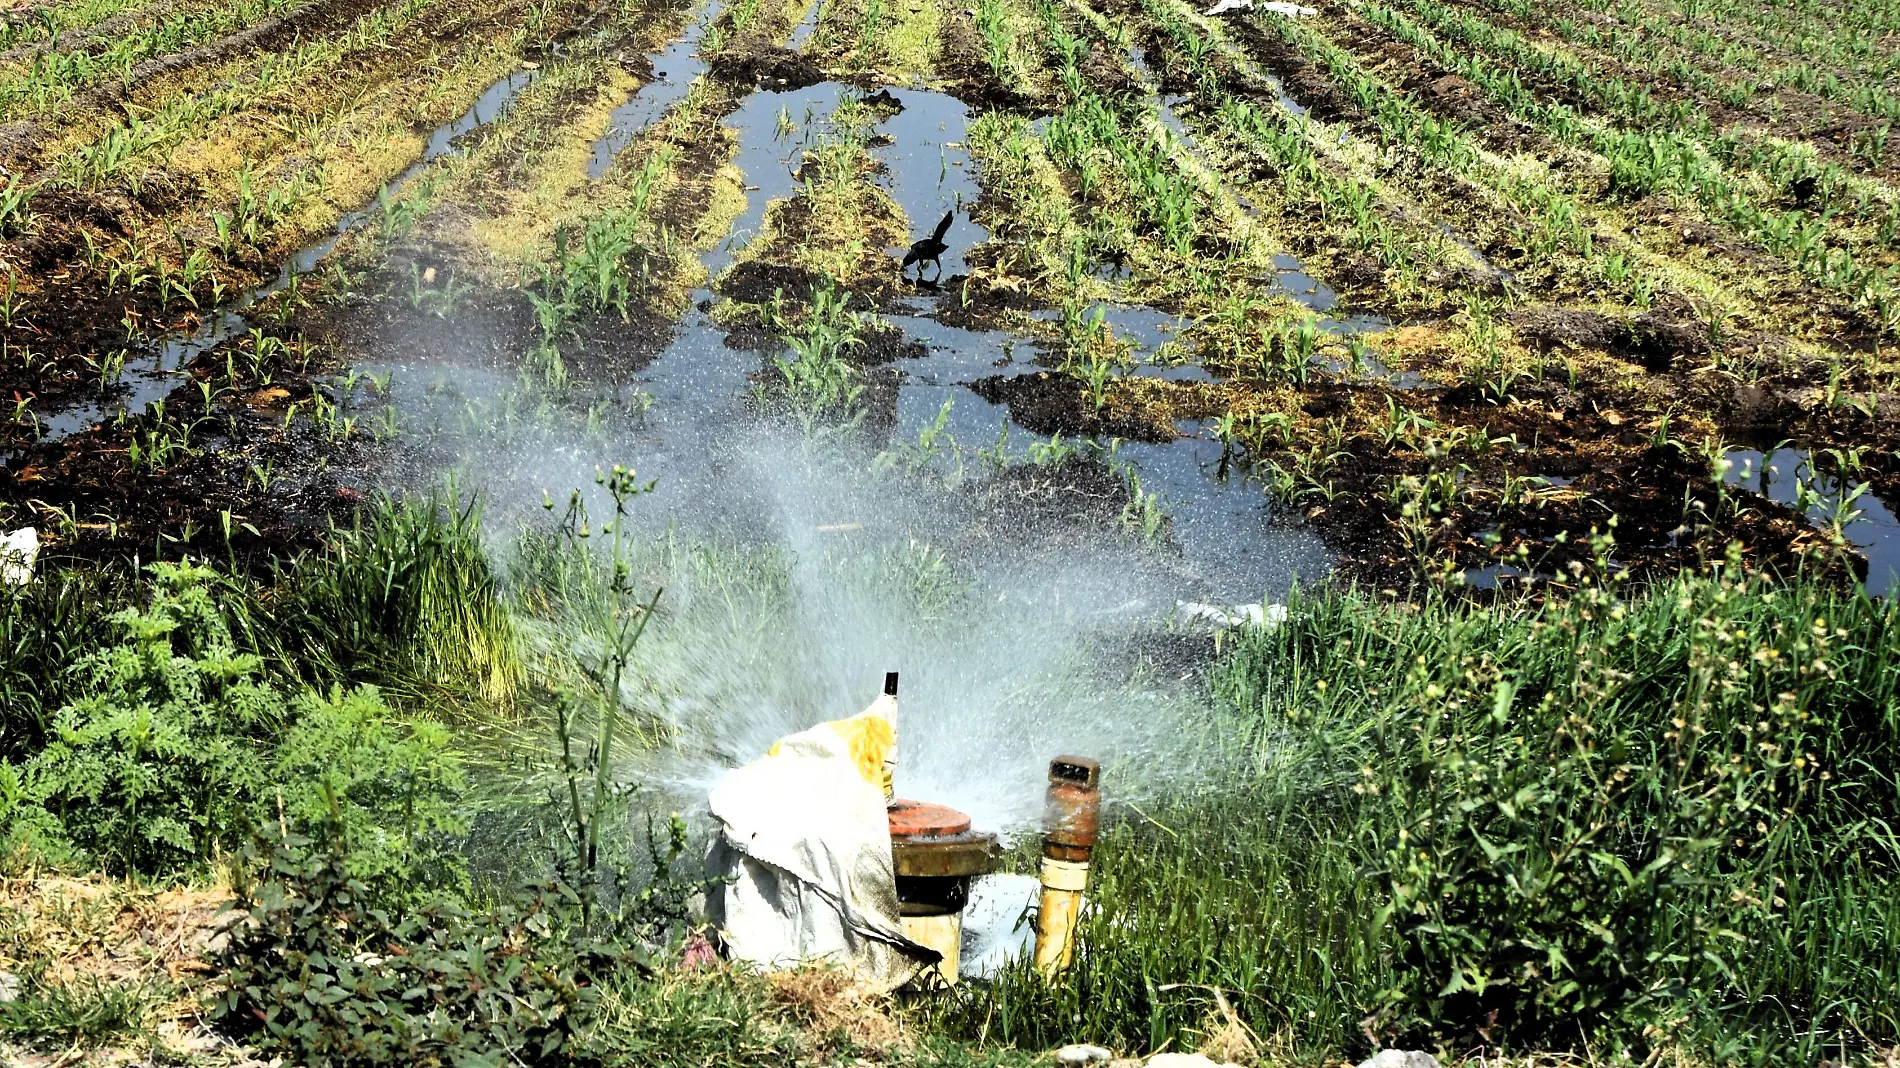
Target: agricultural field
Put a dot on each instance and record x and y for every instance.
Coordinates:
(374, 374)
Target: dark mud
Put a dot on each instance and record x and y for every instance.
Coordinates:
(1658, 340)
(261, 470)
(1544, 536)
(1300, 77)
(768, 67)
(1049, 402)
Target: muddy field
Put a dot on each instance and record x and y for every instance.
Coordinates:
(1455, 291)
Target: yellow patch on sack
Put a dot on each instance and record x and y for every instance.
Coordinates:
(869, 738)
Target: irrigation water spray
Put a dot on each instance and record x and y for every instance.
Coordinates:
(798, 571)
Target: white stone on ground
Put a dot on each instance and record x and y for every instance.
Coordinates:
(1399, 1058)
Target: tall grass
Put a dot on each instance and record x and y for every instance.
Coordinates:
(403, 598)
(44, 627)
(1614, 822)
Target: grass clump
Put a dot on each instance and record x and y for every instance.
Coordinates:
(46, 626)
(78, 1013)
(403, 598)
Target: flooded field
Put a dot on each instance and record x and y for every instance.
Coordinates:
(1327, 292)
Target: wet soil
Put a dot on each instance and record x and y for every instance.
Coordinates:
(1657, 340)
(1050, 402)
(767, 67)
(256, 476)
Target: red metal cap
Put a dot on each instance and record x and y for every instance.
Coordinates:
(921, 819)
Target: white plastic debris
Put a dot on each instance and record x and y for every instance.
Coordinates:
(1400, 1058)
(1081, 1053)
(1292, 11)
(9, 987)
(1216, 617)
(19, 551)
(806, 846)
(999, 924)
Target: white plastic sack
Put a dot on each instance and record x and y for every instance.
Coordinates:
(806, 844)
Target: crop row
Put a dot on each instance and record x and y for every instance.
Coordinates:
(48, 23)
(1729, 68)
(54, 77)
(1640, 163)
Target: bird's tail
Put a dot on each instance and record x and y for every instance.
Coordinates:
(943, 226)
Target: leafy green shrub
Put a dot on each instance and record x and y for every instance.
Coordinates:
(396, 785)
(152, 767)
(170, 755)
(321, 977)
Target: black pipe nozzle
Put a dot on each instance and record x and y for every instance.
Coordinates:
(890, 683)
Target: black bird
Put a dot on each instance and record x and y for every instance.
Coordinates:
(1803, 190)
(930, 249)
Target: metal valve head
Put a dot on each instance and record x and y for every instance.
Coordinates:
(1076, 770)
(1072, 808)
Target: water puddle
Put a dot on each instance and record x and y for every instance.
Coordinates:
(674, 71)
(955, 356)
(801, 34)
(1497, 576)
(928, 171)
(773, 128)
(1787, 477)
(1149, 328)
(1291, 280)
(927, 168)
(1222, 521)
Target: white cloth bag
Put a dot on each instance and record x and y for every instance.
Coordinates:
(805, 845)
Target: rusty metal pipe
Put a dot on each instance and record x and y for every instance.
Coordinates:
(1071, 820)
